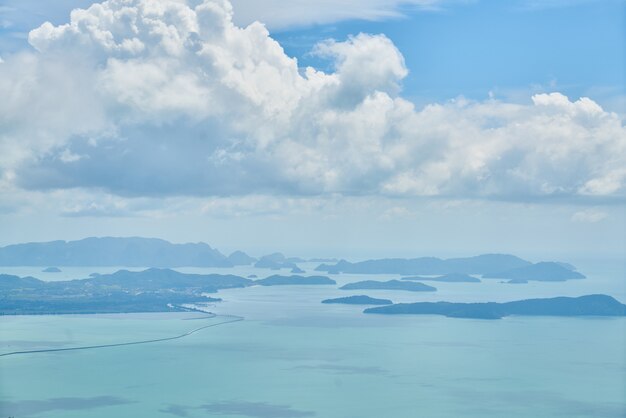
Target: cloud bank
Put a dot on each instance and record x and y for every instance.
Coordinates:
(171, 98)
(278, 14)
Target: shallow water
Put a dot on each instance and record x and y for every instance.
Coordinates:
(294, 357)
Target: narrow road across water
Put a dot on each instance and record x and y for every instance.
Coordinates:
(232, 318)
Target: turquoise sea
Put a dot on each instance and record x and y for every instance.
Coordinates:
(294, 357)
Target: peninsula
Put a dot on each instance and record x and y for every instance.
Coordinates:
(152, 290)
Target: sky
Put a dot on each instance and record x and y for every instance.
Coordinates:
(348, 128)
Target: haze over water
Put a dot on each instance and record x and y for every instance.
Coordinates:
(335, 128)
(295, 357)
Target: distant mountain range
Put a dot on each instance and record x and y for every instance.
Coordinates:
(482, 264)
(457, 269)
(129, 252)
(153, 252)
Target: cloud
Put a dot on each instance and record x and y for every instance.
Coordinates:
(589, 216)
(279, 14)
(142, 98)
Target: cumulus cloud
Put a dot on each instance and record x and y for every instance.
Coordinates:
(171, 98)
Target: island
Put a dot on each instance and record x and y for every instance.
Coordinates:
(151, 290)
(114, 251)
(482, 264)
(277, 280)
(447, 278)
(544, 272)
(359, 300)
(589, 305)
(277, 261)
(297, 270)
(51, 270)
(389, 285)
(239, 258)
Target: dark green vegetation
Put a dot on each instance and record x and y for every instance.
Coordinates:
(359, 300)
(277, 280)
(152, 290)
(590, 305)
(389, 285)
(447, 278)
(544, 271)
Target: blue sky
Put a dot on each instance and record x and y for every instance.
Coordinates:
(464, 48)
(472, 48)
(424, 127)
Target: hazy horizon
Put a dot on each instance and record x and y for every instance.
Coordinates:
(347, 130)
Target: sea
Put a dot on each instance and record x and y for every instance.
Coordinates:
(292, 356)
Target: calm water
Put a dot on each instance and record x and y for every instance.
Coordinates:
(294, 357)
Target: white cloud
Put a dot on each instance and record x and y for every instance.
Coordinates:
(152, 98)
(278, 14)
(589, 216)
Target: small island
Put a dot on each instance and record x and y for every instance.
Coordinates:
(389, 285)
(51, 270)
(447, 278)
(277, 261)
(589, 305)
(297, 270)
(277, 280)
(359, 300)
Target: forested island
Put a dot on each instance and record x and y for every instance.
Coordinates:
(496, 266)
(358, 300)
(590, 305)
(152, 290)
(389, 285)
